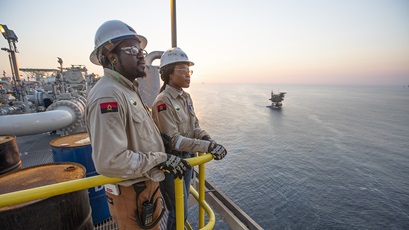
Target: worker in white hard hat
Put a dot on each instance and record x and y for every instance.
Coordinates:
(174, 114)
(125, 140)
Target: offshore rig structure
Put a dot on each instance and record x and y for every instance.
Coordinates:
(276, 100)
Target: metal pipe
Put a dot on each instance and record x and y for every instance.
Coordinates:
(33, 123)
(16, 71)
(150, 85)
(12, 70)
(153, 56)
(173, 21)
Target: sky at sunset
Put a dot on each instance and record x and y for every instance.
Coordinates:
(271, 41)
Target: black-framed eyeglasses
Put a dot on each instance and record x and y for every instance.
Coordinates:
(184, 71)
(134, 50)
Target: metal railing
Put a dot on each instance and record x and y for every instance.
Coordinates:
(46, 191)
(200, 197)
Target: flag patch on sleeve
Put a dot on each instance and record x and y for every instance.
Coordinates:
(107, 107)
(161, 107)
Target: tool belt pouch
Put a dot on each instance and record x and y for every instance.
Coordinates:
(145, 218)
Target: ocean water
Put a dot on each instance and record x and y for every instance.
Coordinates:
(333, 157)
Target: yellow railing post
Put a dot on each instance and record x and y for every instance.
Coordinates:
(180, 213)
(209, 211)
(180, 207)
(202, 174)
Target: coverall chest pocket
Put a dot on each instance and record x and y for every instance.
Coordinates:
(142, 125)
(183, 122)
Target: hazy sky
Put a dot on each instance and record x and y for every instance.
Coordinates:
(288, 41)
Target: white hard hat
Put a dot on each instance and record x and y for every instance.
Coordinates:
(111, 32)
(173, 55)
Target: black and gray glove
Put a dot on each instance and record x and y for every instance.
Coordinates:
(175, 165)
(218, 151)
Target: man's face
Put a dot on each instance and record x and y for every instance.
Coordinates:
(131, 59)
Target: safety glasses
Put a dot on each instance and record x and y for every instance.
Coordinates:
(184, 71)
(134, 50)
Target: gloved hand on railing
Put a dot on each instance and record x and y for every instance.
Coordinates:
(175, 165)
(218, 151)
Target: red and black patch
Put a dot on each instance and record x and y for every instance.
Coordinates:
(161, 107)
(107, 107)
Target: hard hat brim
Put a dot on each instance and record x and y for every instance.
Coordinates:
(173, 62)
(93, 57)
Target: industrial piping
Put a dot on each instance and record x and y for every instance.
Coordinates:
(68, 115)
(34, 123)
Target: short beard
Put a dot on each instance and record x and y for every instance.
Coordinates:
(140, 74)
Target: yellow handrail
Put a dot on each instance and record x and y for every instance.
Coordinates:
(89, 182)
(206, 207)
(180, 214)
(54, 189)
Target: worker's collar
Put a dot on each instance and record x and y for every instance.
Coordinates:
(173, 91)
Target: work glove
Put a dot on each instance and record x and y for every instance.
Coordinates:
(218, 151)
(175, 165)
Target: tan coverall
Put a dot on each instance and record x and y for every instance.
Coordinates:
(174, 115)
(125, 143)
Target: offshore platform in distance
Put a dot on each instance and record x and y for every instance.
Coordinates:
(276, 100)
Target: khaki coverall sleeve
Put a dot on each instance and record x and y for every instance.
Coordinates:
(109, 144)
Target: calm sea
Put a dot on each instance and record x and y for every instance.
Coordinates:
(333, 157)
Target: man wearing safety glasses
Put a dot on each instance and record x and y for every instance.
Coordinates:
(125, 141)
